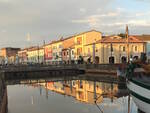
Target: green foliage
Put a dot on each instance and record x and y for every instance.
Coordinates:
(122, 35)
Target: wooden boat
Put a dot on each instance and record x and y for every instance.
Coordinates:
(138, 83)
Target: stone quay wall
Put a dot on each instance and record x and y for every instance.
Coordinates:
(3, 95)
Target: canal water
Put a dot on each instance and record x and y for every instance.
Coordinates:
(68, 96)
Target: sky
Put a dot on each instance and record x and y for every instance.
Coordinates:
(28, 22)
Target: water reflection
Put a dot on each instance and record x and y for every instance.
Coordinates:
(70, 96)
(82, 90)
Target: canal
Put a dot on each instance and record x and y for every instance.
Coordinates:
(67, 96)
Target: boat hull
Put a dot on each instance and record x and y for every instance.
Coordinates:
(140, 94)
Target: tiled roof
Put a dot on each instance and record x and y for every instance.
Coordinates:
(35, 48)
(62, 39)
(144, 38)
(72, 47)
(118, 39)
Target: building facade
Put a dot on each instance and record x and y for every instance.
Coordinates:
(8, 51)
(35, 55)
(57, 47)
(9, 55)
(68, 50)
(23, 57)
(91, 46)
(115, 49)
(83, 39)
(146, 39)
(48, 53)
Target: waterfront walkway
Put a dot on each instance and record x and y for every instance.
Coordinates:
(37, 71)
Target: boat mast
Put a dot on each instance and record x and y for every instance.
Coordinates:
(127, 39)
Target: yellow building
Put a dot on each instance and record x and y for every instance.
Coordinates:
(84, 91)
(113, 49)
(35, 55)
(57, 47)
(83, 39)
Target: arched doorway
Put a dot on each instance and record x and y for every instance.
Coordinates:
(111, 60)
(97, 60)
(123, 59)
(135, 58)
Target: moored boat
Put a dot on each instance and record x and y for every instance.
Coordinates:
(138, 83)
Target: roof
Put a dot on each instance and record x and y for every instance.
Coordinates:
(62, 39)
(118, 39)
(144, 38)
(35, 48)
(10, 48)
(72, 47)
(87, 32)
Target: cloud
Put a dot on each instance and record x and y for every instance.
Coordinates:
(82, 10)
(143, 13)
(50, 19)
(5, 1)
(3, 31)
(94, 20)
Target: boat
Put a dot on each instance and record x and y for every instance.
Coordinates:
(138, 84)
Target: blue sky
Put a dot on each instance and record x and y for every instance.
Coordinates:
(51, 19)
(133, 5)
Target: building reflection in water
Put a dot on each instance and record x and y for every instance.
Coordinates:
(92, 95)
(82, 90)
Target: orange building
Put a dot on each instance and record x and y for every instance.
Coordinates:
(68, 49)
(9, 51)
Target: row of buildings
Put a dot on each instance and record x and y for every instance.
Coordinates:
(82, 90)
(87, 47)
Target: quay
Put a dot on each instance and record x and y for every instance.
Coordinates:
(38, 71)
(104, 71)
(3, 96)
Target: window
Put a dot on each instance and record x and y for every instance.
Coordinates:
(79, 51)
(60, 53)
(135, 48)
(124, 49)
(88, 50)
(79, 40)
(60, 46)
(64, 53)
(72, 52)
(54, 54)
(54, 47)
(49, 55)
(96, 50)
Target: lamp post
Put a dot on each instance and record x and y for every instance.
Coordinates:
(69, 55)
(94, 52)
(127, 38)
(111, 50)
(44, 51)
(38, 54)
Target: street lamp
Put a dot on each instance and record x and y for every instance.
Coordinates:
(94, 52)
(111, 50)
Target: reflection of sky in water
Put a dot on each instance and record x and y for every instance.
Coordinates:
(27, 99)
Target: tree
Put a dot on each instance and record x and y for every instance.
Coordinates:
(122, 35)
